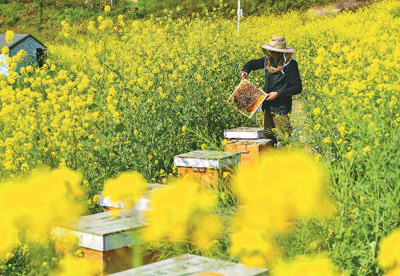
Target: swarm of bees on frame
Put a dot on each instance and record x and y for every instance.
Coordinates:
(246, 97)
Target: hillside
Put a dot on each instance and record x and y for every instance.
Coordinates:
(42, 18)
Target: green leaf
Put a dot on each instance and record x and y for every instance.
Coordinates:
(120, 127)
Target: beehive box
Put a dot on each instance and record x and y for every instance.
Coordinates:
(193, 265)
(248, 133)
(246, 98)
(208, 167)
(106, 238)
(142, 204)
(250, 150)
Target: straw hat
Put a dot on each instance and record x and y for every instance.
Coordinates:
(278, 44)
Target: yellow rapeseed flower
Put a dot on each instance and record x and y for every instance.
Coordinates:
(128, 187)
(305, 266)
(9, 36)
(37, 204)
(389, 250)
(366, 149)
(182, 201)
(72, 266)
(393, 272)
(268, 202)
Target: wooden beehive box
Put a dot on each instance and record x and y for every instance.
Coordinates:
(250, 150)
(142, 204)
(208, 167)
(195, 266)
(106, 237)
(248, 142)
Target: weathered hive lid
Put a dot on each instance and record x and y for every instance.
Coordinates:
(193, 265)
(207, 159)
(244, 133)
(103, 231)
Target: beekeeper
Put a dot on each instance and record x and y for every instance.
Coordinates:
(282, 81)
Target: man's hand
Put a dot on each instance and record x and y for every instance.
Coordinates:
(243, 74)
(271, 96)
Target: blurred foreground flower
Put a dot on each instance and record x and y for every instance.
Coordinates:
(393, 272)
(304, 266)
(389, 252)
(36, 204)
(72, 266)
(180, 208)
(284, 187)
(128, 187)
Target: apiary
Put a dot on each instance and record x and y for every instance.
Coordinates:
(208, 167)
(193, 265)
(244, 133)
(246, 98)
(250, 150)
(105, 237)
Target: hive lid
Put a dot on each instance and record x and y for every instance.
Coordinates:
(207, 159)
(193, 265)
(104, 231)
(246, 98)
(244, 133)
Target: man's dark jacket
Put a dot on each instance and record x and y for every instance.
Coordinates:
(286, 82)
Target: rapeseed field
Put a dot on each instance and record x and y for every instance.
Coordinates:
(116, 100)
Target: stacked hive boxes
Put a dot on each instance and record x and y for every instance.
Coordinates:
(247, 141)
(244, 146)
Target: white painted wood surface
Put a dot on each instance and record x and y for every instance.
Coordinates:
(192, 265)
(207, 159)
(244, 133)
(104, 231)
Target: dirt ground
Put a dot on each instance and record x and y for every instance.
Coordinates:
(338, 7)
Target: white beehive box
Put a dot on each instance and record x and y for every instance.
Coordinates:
(207, 159)
(143, 203)
(244, 133)
(193, 265)
(103, 231)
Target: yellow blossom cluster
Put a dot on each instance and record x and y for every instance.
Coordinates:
(72, 266)
(389, 253)
(127, 188)
(9, 36)
(307, 266)
(270, 198)
(180, 210)
(37, 204)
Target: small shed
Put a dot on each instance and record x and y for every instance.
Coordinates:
(33, 47)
